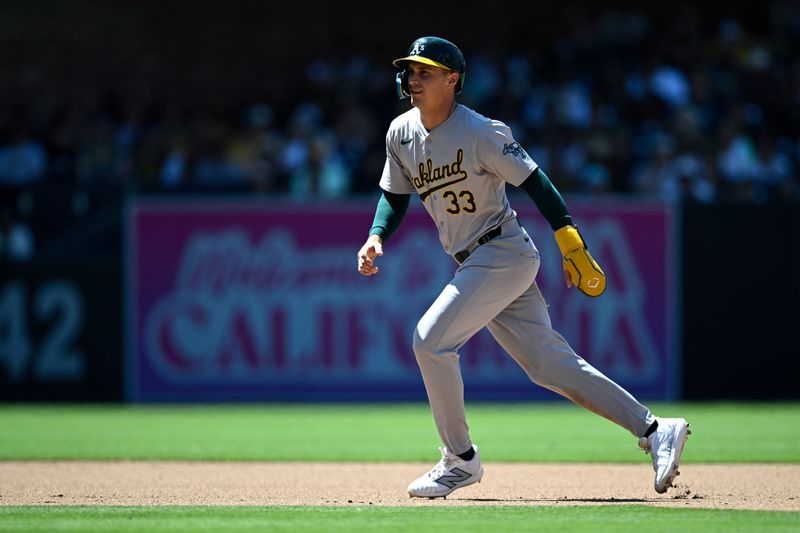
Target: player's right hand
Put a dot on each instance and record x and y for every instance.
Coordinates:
(367, 254)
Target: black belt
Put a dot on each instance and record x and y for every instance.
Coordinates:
(486, 237)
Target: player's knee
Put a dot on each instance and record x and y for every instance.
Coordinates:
(426, 348)
(552, 373)
(420, 344)
(424, 345)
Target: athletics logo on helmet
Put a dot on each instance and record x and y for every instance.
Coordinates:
(433, 51)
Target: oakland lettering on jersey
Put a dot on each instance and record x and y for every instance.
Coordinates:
(428, 174)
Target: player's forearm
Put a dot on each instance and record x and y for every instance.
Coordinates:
(389, 213)
(547, 199)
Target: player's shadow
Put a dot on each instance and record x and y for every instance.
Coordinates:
(557, 500)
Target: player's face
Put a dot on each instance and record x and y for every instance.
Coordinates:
(430, 86)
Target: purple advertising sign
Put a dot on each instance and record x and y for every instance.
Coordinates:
(256, 300)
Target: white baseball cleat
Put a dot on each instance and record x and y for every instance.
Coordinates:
(449, 474)
(665, 445)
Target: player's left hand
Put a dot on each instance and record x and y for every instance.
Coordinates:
(580, 268)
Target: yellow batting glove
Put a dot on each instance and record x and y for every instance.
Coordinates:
(583, 270)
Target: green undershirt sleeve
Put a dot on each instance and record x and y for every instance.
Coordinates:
(389, 213)
(547, 199)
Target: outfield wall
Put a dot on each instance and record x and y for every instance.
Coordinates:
(61, 330)
(248, 300)
(741, 302)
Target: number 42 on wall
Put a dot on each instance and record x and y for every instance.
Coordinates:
(57, 308)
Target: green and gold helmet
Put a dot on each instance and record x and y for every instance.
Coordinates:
(433, 51)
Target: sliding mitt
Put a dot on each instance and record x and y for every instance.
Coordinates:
(582, 270)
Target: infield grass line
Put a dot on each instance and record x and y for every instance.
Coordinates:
(539, 432)
(605, 519)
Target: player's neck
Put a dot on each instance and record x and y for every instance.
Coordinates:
(436, 116)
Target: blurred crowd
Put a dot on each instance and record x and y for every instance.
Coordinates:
(681, 109)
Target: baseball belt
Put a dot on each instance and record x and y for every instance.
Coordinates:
(483, 239)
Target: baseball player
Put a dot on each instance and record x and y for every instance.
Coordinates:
(459, 162)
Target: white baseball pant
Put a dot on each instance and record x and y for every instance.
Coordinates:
(495, 287)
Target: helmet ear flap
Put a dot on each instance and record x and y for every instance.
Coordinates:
(460, 83)
(402, 84)
(433, 51)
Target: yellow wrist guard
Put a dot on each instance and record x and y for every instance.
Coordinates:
(583, 270)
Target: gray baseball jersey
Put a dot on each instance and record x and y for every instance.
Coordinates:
(459, 170)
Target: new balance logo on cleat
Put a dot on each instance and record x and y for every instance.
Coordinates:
(456, 476)
(449, 474)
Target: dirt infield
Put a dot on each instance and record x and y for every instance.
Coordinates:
(735, 486)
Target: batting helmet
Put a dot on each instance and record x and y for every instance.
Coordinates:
(433, 51)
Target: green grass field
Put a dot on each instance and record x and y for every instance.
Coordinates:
(519, 432)
(636, 519)
(722, 432)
